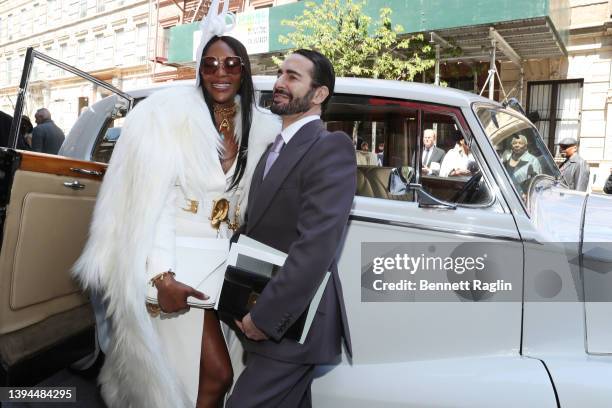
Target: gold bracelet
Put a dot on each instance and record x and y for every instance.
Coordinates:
(161, 276)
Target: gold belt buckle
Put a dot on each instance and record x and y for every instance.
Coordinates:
(219, 212)
(193, 206)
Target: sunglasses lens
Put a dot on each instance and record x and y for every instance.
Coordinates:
(233, 65)
(210, 65)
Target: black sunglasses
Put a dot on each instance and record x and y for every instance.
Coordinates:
(231, 65)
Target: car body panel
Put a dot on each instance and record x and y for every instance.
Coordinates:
(597, 272)
(484, 381)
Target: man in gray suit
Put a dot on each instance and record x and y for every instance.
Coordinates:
(432, 155)
(47, 137)
(575, 170)
(299, 203)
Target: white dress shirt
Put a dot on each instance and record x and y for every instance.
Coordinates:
(290, 131)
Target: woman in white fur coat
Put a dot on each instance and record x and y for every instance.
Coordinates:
(179, 146)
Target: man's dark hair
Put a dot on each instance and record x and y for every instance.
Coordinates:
(247, 98)
(322, 73)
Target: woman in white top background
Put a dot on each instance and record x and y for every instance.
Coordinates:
(457, 160)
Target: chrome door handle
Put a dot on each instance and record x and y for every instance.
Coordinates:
(86, 171)
(75, 185)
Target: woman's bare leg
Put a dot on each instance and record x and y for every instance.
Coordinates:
(216, 373)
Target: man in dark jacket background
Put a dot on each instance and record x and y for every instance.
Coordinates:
(608, 186)
(5, 128)
(575, 170)
(47, 137)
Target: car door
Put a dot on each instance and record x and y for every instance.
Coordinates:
(46, 205)
(407, 344)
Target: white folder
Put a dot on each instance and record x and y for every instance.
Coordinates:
(200, 263)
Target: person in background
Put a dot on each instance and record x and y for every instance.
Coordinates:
(380, 153)
(24, 141)
(432, 155)
(608, 186)
(575, 170)
(47, 137)
(364, 156)
(5, 128)
(520, 164)
(459, 160)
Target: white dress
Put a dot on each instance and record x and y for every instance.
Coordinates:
(167, 139)
(181, 333)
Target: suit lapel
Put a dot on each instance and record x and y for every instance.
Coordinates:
(286, 161)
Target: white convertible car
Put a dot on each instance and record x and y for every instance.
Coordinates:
(548, 343)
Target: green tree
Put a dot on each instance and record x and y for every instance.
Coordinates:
(355, 45)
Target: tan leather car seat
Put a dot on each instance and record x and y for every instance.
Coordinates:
(373, 181)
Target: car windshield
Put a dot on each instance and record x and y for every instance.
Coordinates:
(518, 145)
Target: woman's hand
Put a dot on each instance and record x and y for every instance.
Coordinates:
(172, 295)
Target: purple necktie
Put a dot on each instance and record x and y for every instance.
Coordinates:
(274, 152)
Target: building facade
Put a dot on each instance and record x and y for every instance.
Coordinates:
(115, 41)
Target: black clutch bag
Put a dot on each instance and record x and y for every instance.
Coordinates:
(240, 291)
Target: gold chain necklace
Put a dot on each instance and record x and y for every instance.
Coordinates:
(226, 114)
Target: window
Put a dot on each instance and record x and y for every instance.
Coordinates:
(99, 48)
(3, 74)
(59, 7)
(9, 70)
(119, 46)
(33, 18)
(80, 52)
(99, 6)
(558, 105)
(9, 27)
(47, 16)
(63, 51)
(449, 165)
(388, 138)
(520, 149)
(1, 29)
(82, 8)
(140, 42)
(25, 20)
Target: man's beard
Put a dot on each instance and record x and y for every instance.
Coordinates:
(295, 105)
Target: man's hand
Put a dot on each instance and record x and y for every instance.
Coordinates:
(425, 170)
(250, 330)
(172, 295)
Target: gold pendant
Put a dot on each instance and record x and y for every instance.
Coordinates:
(193, 206)
(224, 125)
(219, 212)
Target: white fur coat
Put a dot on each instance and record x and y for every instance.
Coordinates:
(167, 137)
